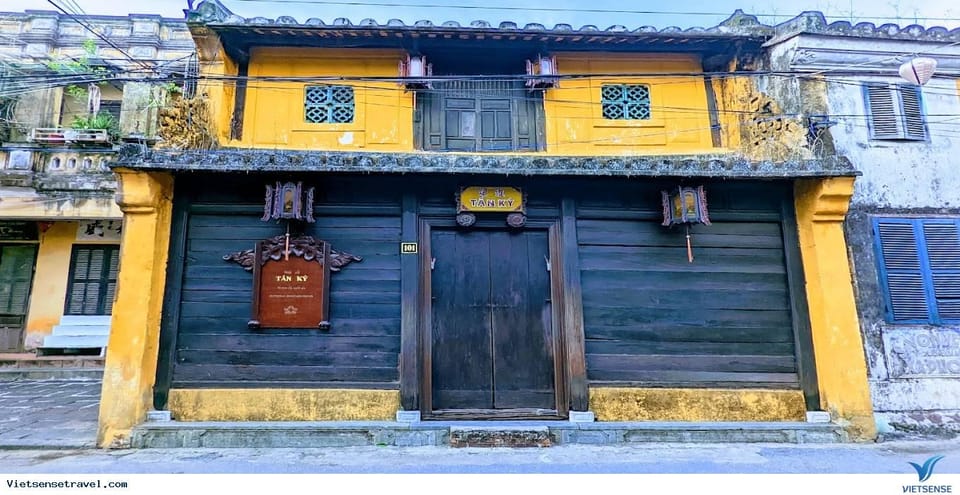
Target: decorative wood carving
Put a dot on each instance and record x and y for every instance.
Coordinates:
(300, 246)
(288, 201)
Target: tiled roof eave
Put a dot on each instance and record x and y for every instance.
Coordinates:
(718, 166)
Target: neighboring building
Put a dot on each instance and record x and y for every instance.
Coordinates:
(905, 213)
(590, 306)
(59, 225)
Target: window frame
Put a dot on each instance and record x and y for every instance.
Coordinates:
(926, 272)
(896, 92)
(329, 88)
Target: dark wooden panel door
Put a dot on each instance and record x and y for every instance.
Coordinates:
(491, 339)
(16, 276)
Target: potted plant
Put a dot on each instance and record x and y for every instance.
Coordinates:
(100, 128)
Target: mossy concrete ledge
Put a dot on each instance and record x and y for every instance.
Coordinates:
(677, 404)
(283, 404)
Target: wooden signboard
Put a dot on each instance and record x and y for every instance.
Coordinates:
(491, 199)
(18, 231)
(291, 284)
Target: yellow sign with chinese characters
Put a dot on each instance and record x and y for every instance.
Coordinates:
(479, 198)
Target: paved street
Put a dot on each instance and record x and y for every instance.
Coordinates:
(49, 413)
(49, 427)
(889, 458)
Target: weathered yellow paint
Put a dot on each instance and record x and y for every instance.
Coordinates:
(131, 361)
(213, 86)
(282, 404)
(49, 281)
(274, 113)
(29, 205)
(730, 104)
(679, 120)
(838, 349)
(691, 404)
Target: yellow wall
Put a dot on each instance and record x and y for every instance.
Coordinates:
(679, 120)
(383, 120)
(838, 348)
(283, 404)
(690, 404)
(131, 361)
(274, 115)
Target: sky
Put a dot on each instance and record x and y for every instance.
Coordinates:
(682, 13)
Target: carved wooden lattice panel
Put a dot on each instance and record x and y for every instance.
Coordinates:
(625, 101)
(328, 104)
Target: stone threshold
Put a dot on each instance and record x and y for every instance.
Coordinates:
(308, 434)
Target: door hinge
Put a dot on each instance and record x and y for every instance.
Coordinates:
(433, 263)
(548, 262)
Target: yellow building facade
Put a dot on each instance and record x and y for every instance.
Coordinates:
(59, 224)
(739, 325)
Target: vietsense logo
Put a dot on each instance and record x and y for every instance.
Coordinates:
(924, 471)
(923, 474)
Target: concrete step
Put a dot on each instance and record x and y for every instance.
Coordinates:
(74, 341)
(85, 320)
(81, 330)
(306, 434)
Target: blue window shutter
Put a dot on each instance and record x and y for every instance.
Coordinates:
(942, 248)
(883, 111)
(911, 109)
(901, 271)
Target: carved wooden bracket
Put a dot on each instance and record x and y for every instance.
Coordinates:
(303, 246)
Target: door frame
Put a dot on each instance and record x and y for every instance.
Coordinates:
(425, 327)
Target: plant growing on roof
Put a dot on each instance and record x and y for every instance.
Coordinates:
(80, 66)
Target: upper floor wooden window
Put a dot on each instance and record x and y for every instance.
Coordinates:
(327, 104)
(625, 101)
(479, 116)
(919, 262)
(895, 112)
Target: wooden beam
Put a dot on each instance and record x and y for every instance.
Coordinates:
(803, 338)
(573, 310)
(170, 321)
(409, 309)
(240, 100)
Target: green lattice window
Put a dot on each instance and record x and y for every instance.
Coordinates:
(328, 104)
(625, 101)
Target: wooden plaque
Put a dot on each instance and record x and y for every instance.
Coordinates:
(291, 284)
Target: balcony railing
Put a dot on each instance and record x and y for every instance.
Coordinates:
(56, 135)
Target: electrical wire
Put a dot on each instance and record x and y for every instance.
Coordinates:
(106, 40)
(564, 10)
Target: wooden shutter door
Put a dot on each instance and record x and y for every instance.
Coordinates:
(882, 111)
(913, 126)
(902, 272)
(93, 280)
(16, 277)
(943, 250)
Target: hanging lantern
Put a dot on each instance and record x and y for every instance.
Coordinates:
(288, 202)
(685, 205)
(918, 70)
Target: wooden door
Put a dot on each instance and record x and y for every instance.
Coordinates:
(491, 342)
(16, 274)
